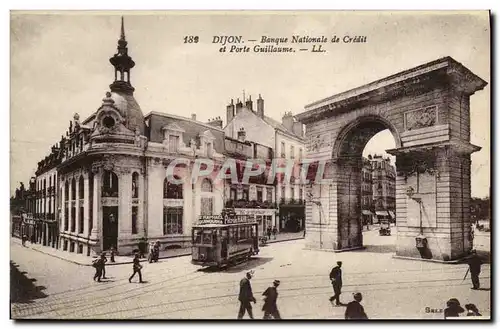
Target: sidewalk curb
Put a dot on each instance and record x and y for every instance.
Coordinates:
(456, 261)
(127, 262)
(285, 240)
(87, 264)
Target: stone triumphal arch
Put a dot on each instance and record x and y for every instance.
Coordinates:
(427, 111)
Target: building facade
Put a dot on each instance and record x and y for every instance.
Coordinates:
(383, 188)
(368, 210)
(286, 141)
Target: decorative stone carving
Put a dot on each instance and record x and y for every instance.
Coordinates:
(421, 118)
(96, 167)
(317, 142)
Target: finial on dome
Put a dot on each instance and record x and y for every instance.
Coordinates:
(108, 100)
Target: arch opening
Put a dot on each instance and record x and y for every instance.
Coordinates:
(366, 185)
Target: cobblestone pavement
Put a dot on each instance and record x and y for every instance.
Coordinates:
(176, 289)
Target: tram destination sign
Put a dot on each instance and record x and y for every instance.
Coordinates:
(219, 219)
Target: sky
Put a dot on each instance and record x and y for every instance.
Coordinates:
(60, 66)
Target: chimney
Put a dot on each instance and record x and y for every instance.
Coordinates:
(249, 103)
(229, 112)
(215, 122)
(298, 129)
(239, 106)
(193, 116)
(260, 107)
(242, 134)
(287, 121)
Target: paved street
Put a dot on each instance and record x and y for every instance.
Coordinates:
(175, 289)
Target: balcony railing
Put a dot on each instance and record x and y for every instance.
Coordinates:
(250, 204)
(298, 202)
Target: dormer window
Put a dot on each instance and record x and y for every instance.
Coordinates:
(173, 143)
(207, 139)
(172, 137)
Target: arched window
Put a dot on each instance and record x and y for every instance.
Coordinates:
(110, 184)
(171, 190)
(135, 185)
(80, 188)
(206, 185)
(73, 189)
(206, 200)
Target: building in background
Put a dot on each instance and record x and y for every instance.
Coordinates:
(286, 140)
(367, 208)
(383, 188)
(257, 198)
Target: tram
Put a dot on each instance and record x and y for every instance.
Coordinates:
(222, 240)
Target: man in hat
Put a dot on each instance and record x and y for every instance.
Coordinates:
(336, 279)
(472, 310)
(475, 269)
(246, 296)
(354, 310)
(270, 308)
(453, 309)
(137, 268)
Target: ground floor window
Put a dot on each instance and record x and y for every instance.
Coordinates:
(172, 220)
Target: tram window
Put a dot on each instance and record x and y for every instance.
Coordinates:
(231, 235)
(207, 237)
(197, 236)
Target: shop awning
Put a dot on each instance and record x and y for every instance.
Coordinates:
(367, 212)
(382, 213)
(392, 214)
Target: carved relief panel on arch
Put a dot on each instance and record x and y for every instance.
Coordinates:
(421, 118)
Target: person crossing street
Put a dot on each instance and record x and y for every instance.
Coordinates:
(246, 296)
(336, 279)
(270, 308)
(137, 268)
(475, 269)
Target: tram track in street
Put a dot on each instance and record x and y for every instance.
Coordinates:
(231, 299)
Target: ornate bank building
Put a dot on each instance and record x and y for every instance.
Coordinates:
(113, 190)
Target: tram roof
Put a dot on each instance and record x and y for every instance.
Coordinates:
(213, 225)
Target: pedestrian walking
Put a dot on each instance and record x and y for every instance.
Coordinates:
(103, 264)
(336, 279)
(112, 254)
(275, 232)
(453, 309)
(23, 240)
(269, 232)
(474, 262)
(472, 310)
(137, 268)
(246, 296)
(98, 265)
(270, 308)
(354, 309)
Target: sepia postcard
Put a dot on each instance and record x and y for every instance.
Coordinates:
(236, 165)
